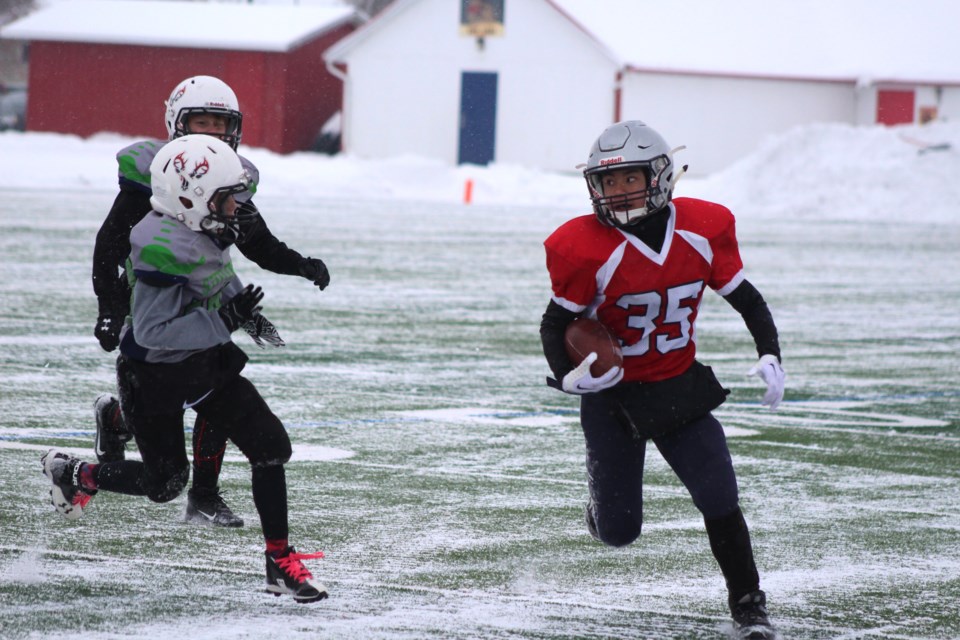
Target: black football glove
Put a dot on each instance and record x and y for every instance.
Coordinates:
(314, 269)
(241, 308)
(107, 329)
(263, 332)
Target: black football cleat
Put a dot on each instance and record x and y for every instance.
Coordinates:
(206, 506)
(750, 617)
(112, 435)
(287, 575)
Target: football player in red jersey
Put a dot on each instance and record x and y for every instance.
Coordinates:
(640, 265)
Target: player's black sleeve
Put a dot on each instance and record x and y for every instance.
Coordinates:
(113, 246)
(756, 314)
(260, 245)
(553, 325)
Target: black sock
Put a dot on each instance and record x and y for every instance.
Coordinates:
(270, 498)
(730, 543)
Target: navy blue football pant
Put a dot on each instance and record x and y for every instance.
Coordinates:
(697, 452)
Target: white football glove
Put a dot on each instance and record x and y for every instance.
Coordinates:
(581, 381)
(770, 371)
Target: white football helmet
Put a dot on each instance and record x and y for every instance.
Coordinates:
(204, 94)
(191, 177)
(630, 144)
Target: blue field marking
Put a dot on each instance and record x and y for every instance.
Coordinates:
(837, 412)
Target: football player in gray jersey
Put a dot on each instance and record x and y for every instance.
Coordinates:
(201, 104)
(176, 353)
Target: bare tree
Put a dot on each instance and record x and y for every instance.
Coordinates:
(10, 10)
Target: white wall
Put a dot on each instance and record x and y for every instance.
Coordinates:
(556, 93)
(556, 89)
(555, 86)
(866, 104)
(946, 99)
(721, 120)
(950, 104)
(402, 93)
(869, 98)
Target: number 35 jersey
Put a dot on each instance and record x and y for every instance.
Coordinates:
(650, 300)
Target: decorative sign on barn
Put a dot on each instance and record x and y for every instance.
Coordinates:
(481, 18)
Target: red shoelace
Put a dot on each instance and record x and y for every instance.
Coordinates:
(81, 499)
(292, 565)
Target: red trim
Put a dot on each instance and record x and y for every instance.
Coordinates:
(618, 97)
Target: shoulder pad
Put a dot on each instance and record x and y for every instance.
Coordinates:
(134, 161)
(254, 173)
(703, 217)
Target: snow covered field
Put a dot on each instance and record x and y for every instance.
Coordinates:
(439, 475)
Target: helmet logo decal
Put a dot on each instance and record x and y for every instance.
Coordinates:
(179, 164)
(178, 94)
(200, 169)
(613, 160)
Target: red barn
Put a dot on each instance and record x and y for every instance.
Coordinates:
(108, 65)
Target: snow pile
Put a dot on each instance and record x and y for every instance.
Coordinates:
(825, 171)
(842, 172)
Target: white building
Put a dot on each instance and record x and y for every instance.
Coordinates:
(534, 81)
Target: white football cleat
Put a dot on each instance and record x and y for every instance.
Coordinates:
(66, 495)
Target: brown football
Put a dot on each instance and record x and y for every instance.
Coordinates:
(584, 336)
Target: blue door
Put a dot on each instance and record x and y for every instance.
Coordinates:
(478, 117)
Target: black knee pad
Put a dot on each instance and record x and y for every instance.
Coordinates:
(264, 440)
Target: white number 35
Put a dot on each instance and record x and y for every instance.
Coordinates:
(650, 304)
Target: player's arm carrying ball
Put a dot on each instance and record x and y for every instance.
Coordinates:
(598, 351)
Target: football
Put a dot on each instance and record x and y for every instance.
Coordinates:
(584, 336)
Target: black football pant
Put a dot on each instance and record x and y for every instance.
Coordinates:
(209, 447)
(698, 454)
(241, 415)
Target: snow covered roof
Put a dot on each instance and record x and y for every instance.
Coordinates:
(846, 40)
(171, 23)
(839, 40)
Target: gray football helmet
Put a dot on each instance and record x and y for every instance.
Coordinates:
(630, 144)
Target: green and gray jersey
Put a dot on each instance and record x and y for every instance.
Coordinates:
(133, 167)
(180, 279)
